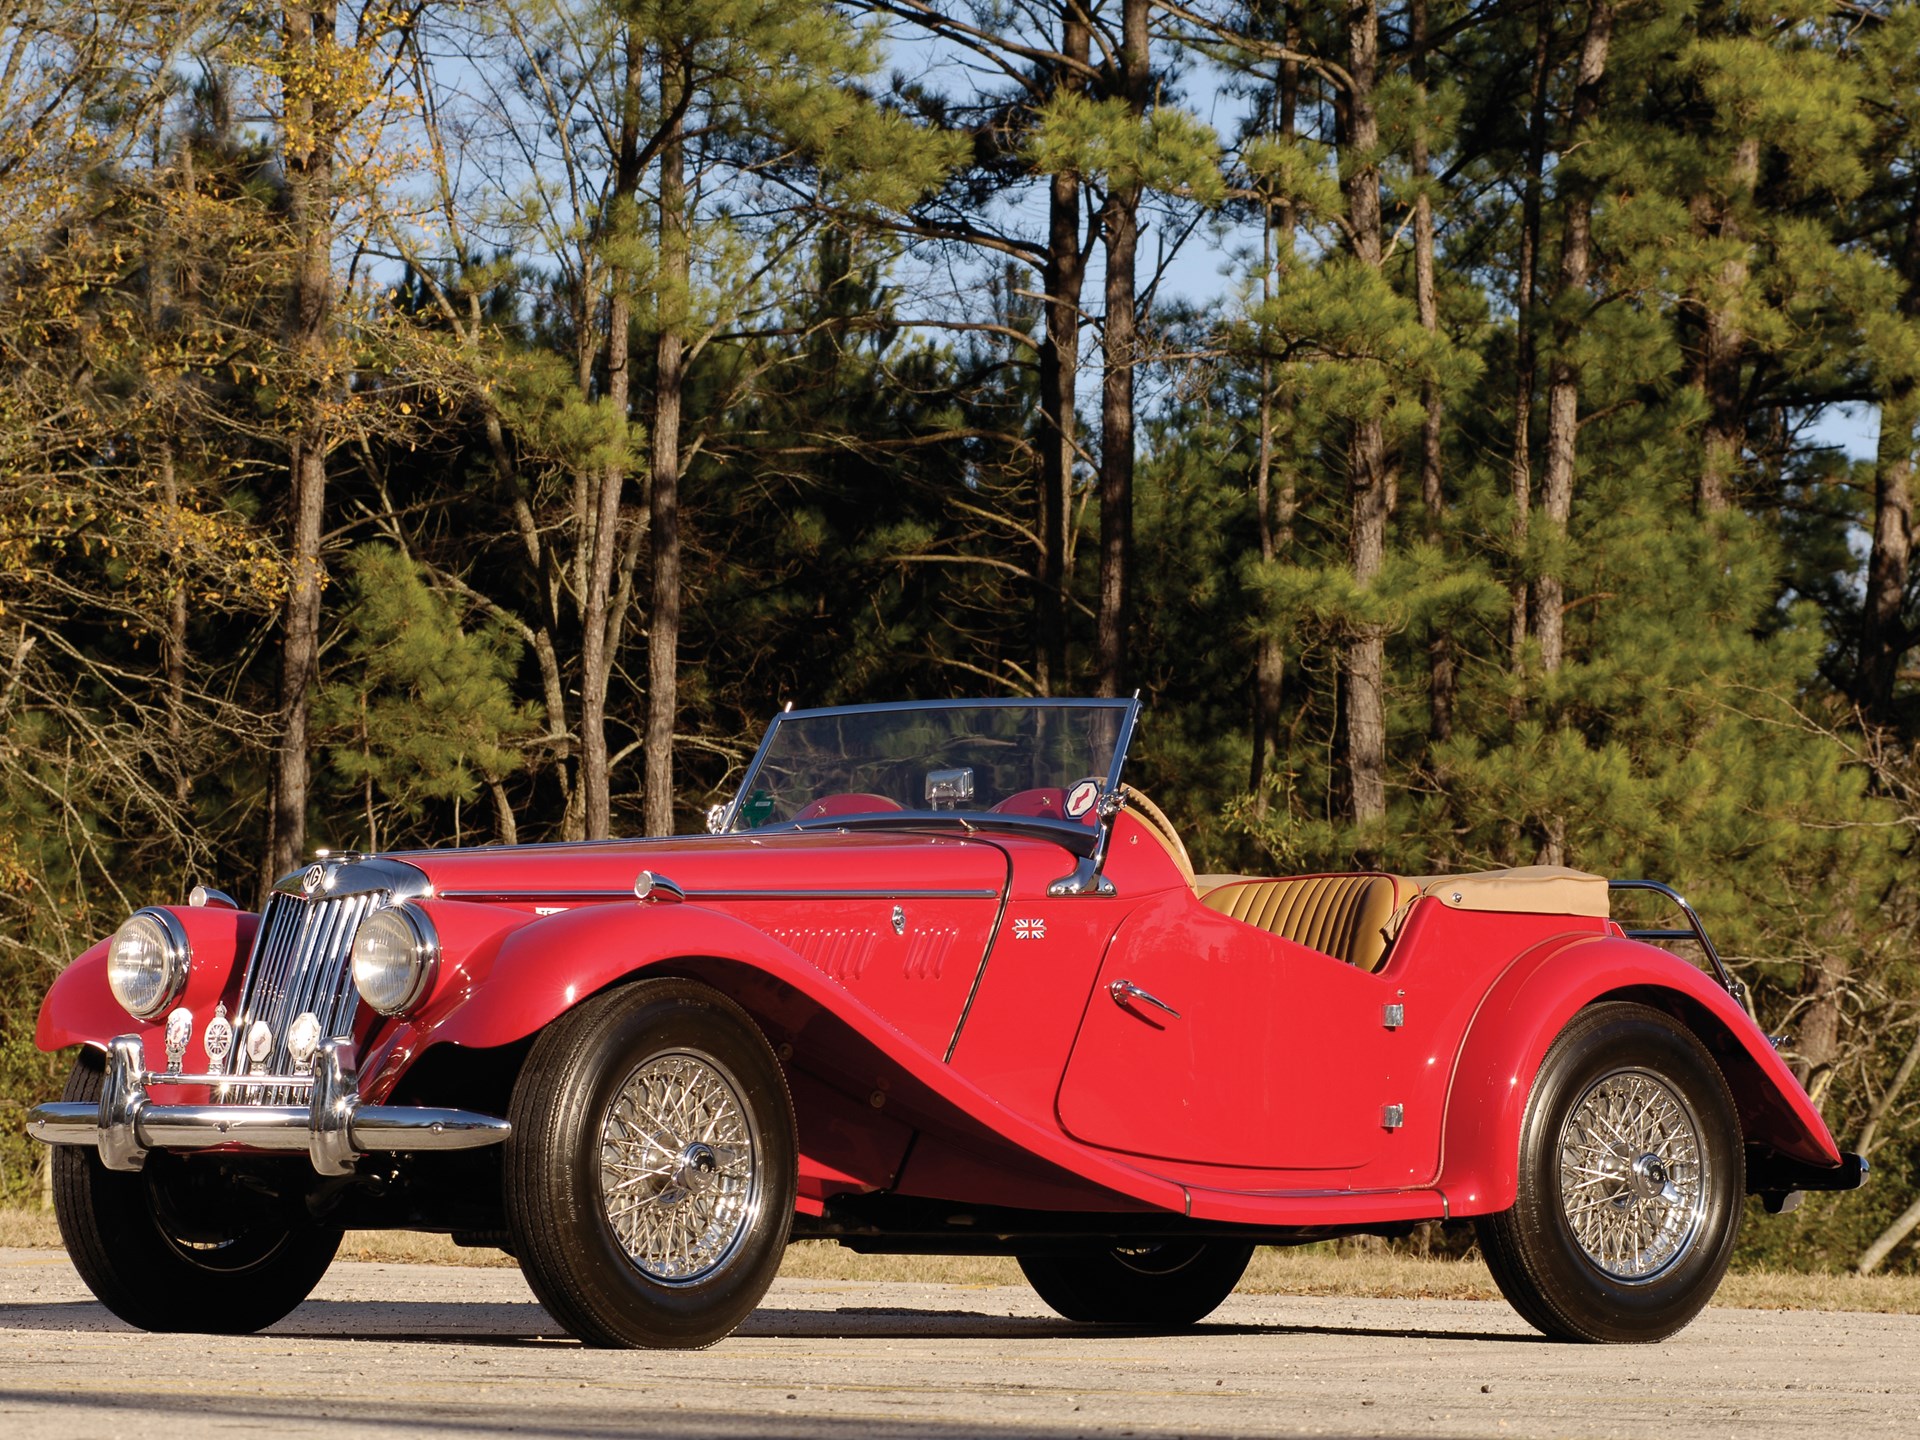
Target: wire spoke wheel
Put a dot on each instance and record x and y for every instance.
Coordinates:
(1160, 1285)
(679, 1168)
(1632, 1180)
(651, 1173)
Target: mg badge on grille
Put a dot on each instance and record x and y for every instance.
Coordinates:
(303, 1039)
(315, 877)
(219, 1040)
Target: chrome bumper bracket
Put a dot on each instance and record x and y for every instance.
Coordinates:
(334, 1128)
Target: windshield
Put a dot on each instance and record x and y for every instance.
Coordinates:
(1049, 759)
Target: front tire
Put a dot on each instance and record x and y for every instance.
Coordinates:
(651, 1172)
(1167, 1286)
(1632, 1178)
(154, 1252)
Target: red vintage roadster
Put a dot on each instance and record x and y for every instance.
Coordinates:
(939, 982)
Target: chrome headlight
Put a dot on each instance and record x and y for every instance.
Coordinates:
(147, 962)
(395, 955)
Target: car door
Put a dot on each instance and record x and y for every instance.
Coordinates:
(1267, 1054)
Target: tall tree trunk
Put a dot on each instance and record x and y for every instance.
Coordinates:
(1526, 347)
(1563, 376)
(1723, 341)
(505, 828)
(307, 141)
(176, 641)
(1120, 229)
(596, 657)
(1884, 636)
(1064, 279)
(1433, 498)
(663, 630)
(1563, 379)
(1817, 1038)
(544, 573)
(1275, 522)
(1369, 475)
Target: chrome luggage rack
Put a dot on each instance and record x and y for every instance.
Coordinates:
(1695, 933)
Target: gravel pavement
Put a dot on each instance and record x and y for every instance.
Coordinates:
(427, 1351)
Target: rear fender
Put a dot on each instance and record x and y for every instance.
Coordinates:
(79, 1009)
(524, 978)
(1532, 1002)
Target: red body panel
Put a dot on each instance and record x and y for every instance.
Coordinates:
(1276, 1060)
(971, 1052)
(1531, 1003)
(79, 1009)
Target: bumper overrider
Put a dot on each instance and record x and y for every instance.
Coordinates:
(333, 1127)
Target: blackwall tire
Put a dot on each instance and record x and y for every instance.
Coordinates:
(148, 1271)
(651, 1172)
(1632, 1182)
(1167, 1286)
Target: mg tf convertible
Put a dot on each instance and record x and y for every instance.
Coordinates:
(939, 981)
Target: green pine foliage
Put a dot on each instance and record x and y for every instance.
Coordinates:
(873, 200)
(421, 714)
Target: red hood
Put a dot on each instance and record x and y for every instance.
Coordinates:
(718, 863)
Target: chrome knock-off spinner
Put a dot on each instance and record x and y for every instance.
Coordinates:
(1633, 1176)
(679, 1167)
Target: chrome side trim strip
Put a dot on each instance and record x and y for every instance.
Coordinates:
(726, 894)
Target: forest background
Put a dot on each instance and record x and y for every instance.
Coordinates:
(434, 423)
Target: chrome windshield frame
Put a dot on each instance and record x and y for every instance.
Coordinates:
(1128, 709)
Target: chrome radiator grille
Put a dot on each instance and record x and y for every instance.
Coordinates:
(300, 962)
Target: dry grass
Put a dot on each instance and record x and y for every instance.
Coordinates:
(29, 1229)
(1312, 1270)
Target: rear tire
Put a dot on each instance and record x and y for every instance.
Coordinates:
(651, 1172)
(1167, 1286)
(1632, 1182)
(146, 1268)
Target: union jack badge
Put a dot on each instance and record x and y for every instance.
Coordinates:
(219, 1040)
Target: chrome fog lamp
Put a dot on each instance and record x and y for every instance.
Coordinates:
(147, 962)
(394, 957)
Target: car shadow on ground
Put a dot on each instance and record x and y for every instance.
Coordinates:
(490, 1323)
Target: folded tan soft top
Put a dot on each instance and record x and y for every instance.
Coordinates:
(1525, 890)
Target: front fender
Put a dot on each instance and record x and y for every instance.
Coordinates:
(1532, 1002)
(518, 981)
(79, 1009)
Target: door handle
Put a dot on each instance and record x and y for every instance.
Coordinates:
(1125, 992)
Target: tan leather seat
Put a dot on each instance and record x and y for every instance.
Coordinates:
(1344, 916)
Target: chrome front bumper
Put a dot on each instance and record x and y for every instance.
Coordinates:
(334, 1128)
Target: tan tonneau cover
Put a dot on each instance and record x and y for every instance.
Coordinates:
(1525, 890)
